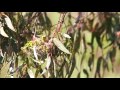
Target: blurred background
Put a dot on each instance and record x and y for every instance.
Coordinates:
(86, 44)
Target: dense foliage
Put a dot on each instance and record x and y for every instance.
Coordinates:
(59, 44)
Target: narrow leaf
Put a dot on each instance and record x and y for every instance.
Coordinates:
(44, 71)
(35, 53)
(66, 35)
(2, 32)
(55, 73)
(95, 23)
(39, 62)
(1, 53)
(60, 45)
(48, 62)
(31, 74)
(48, 59)
(9, 23)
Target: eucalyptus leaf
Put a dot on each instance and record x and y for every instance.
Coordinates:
(58, 43)
(48, 60)
(2, 32)
(39, 62)
(95, 22)
(31, 73)
(35, 53)
(66, 35)
(9, 23)
(1, 53)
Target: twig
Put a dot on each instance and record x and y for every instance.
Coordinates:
(60, 23)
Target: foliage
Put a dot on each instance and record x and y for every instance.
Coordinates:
(84, 44)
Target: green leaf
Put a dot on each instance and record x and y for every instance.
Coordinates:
(60, 45)
(9, 23)
(2, 32)
(95, 22)
(66, 35)
(31, 73)
(1, 53)
(35, 53)
(98, 39)
(48, 60)
(39, 62)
